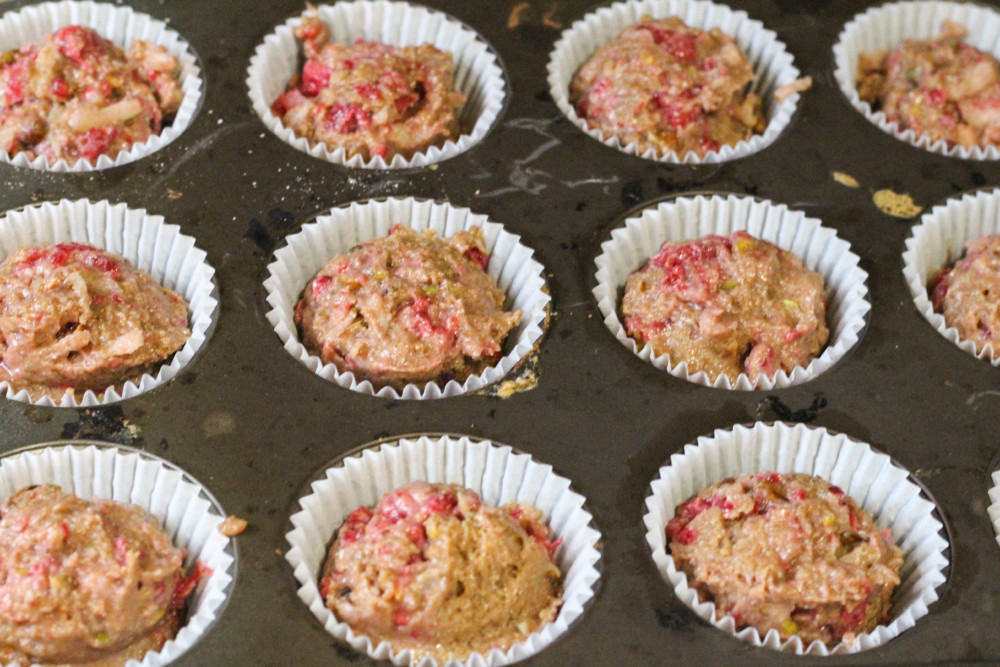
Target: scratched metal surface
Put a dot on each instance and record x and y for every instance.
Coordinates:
(254, 425)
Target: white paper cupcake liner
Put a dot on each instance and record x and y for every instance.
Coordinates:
(187, 511)
(869, 477)
(994, 509)
(478, 74)
(884, 28)
(684, 218)
(143, 239)
(939, 240)
(519, 276)
(771, 63)
(497, 474)
(122, 26)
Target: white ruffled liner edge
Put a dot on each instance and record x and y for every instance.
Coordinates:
(511, 263)
(685, 218)
(994, 509)
(498, 474)
(772, 65)
(188, 512)
(150, 244)
(886, 27)
(939, 240)
(869, 477)
(478, 75)
(121, 25)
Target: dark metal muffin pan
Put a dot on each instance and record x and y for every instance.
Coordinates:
(254, 425)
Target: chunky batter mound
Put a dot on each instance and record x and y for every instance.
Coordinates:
(432, 569)
(968, 295)
(76, 95)
(370, 99)
(787, 552)
(940, 88)
(669, 87)
(75, 317)
(728, 305)
(407, 308)
(81, 583)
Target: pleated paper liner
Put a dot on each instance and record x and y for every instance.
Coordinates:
(150, 244)
(187, 511)
(497, 473)
(772, 65)
(519, 276)
(937, 241)
(478, 74)
(688, 218)
(121, 25)
(881, 487)
(885, 27)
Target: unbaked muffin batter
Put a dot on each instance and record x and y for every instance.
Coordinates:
(787, 552)
(968, 294)
(407, 308)
(76, 95)
(371, 99)
(940, 88)
(728, 305)
(75, 317)
(669, 87)
(94, 583)
(432, 569)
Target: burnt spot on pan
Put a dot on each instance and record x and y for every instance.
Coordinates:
(787, 414)
(106, 423)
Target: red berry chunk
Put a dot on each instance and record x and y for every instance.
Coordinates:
(478, 257)
(347, 118)
(355, 525)
(315, 77)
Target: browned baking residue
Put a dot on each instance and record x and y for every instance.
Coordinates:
(549, 21)
(526, 382)
(899, 205)
(514, 19)
(232, 526)
(846, 179)
(518, 16)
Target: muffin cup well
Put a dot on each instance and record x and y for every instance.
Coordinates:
(121, 25)
(519, 276)
(939, 240)
(478, 74)
(878, 485)
(885, 27)
(145, 240)
(688, 218)
(186, 510)
(497, 473)
(772, 66)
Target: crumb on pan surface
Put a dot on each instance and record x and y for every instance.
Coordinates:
(896, 204)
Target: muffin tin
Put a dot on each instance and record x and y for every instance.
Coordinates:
(255, 426)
